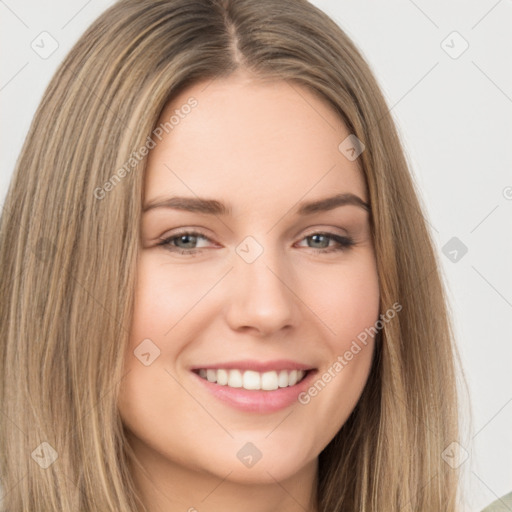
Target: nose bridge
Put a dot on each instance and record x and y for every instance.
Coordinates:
(261, 295)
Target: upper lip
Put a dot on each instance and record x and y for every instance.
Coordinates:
(257, 366)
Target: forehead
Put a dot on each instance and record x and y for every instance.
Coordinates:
(251, 143)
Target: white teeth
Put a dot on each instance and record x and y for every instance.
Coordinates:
(222, 377)
(249, 379)
(283, 379)
(252, 380)
(235, 379)
(269, 381)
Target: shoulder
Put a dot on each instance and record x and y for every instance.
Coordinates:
(503, 504)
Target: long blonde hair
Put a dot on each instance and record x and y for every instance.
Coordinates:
(68, 257)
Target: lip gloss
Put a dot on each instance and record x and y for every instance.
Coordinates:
(258, 401)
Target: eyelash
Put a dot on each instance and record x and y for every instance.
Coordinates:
(345, 243)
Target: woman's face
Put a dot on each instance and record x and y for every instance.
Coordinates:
(242, 282)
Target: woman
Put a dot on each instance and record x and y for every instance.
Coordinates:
(256, 370)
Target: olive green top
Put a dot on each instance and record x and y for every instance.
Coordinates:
(503, 504)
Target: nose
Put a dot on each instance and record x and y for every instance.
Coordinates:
(261, 295)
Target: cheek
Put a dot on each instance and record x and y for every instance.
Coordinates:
(150, 394)
(153, 312)
(148, 352)
(164, 295)
(345, 300)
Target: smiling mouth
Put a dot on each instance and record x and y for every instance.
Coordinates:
(252, 380)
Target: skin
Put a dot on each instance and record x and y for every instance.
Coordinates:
(262, 148)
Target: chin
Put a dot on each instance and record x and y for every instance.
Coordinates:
(276, 464)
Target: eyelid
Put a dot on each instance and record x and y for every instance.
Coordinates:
(326, 231)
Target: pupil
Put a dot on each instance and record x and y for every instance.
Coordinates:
(316, 237)
(184, 238)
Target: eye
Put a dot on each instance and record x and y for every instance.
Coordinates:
(186, 242)
(188, 239)
(322, 241)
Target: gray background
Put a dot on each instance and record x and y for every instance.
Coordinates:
(453, 111)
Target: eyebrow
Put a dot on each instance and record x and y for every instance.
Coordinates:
(214, 207)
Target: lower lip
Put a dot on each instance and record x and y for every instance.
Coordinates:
(257, 400)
